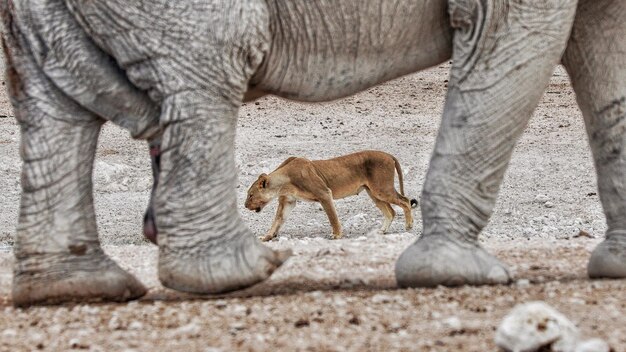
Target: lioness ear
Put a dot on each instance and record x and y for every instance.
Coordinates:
(264, 181)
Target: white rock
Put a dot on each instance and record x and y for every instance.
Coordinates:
(55, 329)
(531, 326)
(453, 323)
(36, 337)
(381, 298)
(593, 345)
(522, 283)
(135, 325)
(213, 349)
(9, 333)
(191, 329)
(548, 204)
(239, 310)
(115, 323)
(541, 198)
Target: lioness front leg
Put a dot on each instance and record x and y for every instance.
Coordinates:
(329, 207)
(285, 206)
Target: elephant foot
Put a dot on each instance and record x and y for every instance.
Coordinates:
(72, 278)
(219, 267)
(437, 260)
(608, 260)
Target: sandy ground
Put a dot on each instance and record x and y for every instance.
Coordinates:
(339, 295)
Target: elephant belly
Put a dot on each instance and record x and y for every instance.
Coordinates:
(328, 50)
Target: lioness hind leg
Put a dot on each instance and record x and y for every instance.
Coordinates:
(404, 203)
(386, 209)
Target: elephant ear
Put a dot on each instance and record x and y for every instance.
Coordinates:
(264, 181)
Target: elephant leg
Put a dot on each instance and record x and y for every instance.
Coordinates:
(198, 70)
(204, 246)
(503, 56)
(58, 255)
(596, 64)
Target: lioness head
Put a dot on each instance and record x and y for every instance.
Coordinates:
(259, 194)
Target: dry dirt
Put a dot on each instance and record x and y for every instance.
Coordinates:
(339, 295)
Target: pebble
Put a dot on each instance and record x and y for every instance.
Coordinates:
(191, 329)
(593, 345)
(239, 311)
(583, 233)
(381, 298)
(78, 343)
(220, 303)
(541, 198)
(115, 323)
(9, 333)
(135, 325)
(453, 323)
(522, 283)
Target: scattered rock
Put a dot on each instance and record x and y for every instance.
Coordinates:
(593, 345)
(78, 343)
(535, 326)
(381, 298)
(9, 333)
(135, 325)
(301, 323)
(115, 323)
(541, 198)
(583, 233)
(191, 330)
(453, 323)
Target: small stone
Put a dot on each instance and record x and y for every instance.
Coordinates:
(191, 329)
(239, 310)
(9, 333)
(522, 283)
(593, 345)
(453, 323)
(238, 325)
(213, 349)
(381, 298)
(339, 302)
(55, 329)
(548, 204)
(36, 338)
(135, 325)
(78, 343)
(583, 233)
(115, 323)
(541, 198)
(575, 300)
(315, 294)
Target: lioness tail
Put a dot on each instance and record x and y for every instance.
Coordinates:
(413, 201)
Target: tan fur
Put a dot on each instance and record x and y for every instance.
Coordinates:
(324, 180)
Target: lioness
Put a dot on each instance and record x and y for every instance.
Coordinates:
(325, 180)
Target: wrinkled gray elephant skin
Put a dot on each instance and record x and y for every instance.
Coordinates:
(176, 72)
